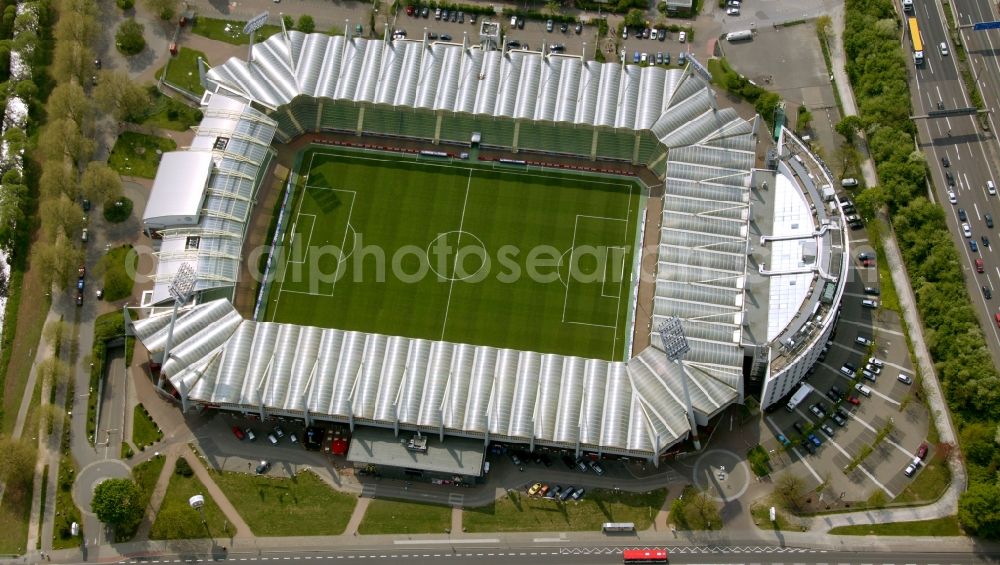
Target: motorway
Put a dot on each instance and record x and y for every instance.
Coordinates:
(971, 150)
(765, 555)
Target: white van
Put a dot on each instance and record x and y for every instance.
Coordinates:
(863, 389)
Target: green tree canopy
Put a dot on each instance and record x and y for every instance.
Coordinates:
(118, 503)
(129, 39)
(306, 24)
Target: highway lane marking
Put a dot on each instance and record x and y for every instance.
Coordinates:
(444, 541)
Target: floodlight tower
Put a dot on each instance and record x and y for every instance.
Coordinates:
(253, 25)
(675, 345)
(180, 288)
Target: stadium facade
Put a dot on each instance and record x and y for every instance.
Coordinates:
(746, 255)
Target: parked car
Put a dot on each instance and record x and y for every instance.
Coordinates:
(581, 466)
(263, 467)
(815, 440)
(280, 433)
(840, 420)
(799, 426)
(783, 440)
(872, 290)
(596, 467)
(250, 435)
(827, 430)
(854, 400)
(567, 492)
(808, 446)
(239, 433)
(533, 489)
(549, 25)
(912, 467)
(922, 451)
(578, 493)
(272, 439)
(815, 409)
(862, 340)
(905, 379)
(682, 37)
(544, 490)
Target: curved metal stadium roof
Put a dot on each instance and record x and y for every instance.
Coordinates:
(635, 407)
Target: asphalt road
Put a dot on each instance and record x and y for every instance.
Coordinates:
(597, 555)
(971, 152)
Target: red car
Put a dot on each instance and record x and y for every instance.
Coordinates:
(922, 450)
(410, 10)
(979, 266)
(238, 433)
(854, 400)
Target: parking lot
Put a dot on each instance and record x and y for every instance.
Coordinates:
(845, 421)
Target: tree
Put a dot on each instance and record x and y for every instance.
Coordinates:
(55, 332)
(848, 127)
(61, 216)
(58, 179)
(789, 490)
(72, 60)
(129, 39)
(53, 370)
(701, 512)
(17, 466)
(82, 28)
(766, 106)
(306, 24)
(552, 7)
(979, 510)
(68, 100)
(124, 5)
(165, 9)
(116, 93)
(61, 139)
(118, 503)
(59, 260)
(804, 120)
(12, 215)
(288, 21)
(635, 18)
(100, 183)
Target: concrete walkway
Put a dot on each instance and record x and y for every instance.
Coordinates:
(359, 514)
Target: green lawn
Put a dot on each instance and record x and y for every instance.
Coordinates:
(144, 429)
(177, 520)
(398, 517)
(168, 113)
(66, 510)
(118, 279)
(214, 28)
(930, 483)
(182, 70)
(135, 154)
(460, 253)
(299, 506)
(947, 526)
(518, 513)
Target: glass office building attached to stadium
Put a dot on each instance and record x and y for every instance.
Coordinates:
(722, 219)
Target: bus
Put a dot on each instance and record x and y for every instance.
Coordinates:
(618, 527)
(646, 555)
(918, 44)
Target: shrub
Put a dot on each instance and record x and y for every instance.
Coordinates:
(183, 468)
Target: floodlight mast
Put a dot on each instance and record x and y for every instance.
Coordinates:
(252, 26)
(180, 288)
(675, 346)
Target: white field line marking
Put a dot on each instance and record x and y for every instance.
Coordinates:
(347, 228)
(454, 265)
(621, 270)
(610, 327)
(623, 286)
(569, 267)
(298, 220)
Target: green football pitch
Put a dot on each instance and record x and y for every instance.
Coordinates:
(452, 251)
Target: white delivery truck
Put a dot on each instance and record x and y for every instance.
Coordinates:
(799, 396)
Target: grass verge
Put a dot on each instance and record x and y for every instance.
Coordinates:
(214, 28)
(761, 514)
(760, 461)
(144, 429)
(947, 526)
(175, 519)
(138, 154)
(519, 513)
(66, 510)
(274, 506)
(168, 113)
(398, 517)
(182, 70)
(118, 283)
(931, 482)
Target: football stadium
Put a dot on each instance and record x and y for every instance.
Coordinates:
(482, 243)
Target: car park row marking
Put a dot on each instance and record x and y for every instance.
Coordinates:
(862, 324)
(862, 469)
(854, 416)
(797, 454)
